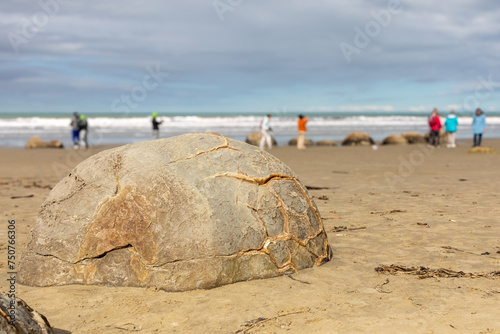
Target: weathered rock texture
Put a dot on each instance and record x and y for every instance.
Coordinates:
(37, 142)
(414, 138)
(358, 138)
(193, 211)
(254, 139)
(307, 142)
(21, 318)
(394, 140)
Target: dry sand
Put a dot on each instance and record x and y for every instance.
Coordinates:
(415, 207)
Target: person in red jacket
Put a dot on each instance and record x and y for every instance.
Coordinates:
(435, 124)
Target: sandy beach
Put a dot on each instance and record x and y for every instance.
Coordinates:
(408, 206)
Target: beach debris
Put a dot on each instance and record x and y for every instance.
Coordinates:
(322, 197)
(37, 142)
(481, 149)
(462, 180)
(345, 228)
(413, 138)
(394, 140)
(485, 253)
(259, 321)
(254, 139)
(423, 224)
(452, 221)
(424, 272)
(296, 279)
(316, 188)
(22, 319)
(382, 213)
(129, 327)
(458, 250)
(188, 212)
(379, 287)
(22, 196)
(358, 138)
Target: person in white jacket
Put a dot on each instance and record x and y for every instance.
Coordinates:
(265, 127)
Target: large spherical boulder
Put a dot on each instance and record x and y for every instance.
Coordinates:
(37, 142)
(394, 140)
(414, 138)
(358, 138)
(307, 142)
(254, 139)
(187, 212)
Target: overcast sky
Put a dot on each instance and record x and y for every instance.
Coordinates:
(249, 55)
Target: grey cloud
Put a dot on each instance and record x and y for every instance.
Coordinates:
(259, 45)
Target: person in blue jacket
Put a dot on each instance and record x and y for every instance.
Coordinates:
(451, 127)
(478, 126)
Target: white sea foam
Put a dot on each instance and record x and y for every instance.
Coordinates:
(103, 130)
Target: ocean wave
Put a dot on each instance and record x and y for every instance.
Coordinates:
(237, 121)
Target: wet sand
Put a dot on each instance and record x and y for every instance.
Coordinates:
(405, 205)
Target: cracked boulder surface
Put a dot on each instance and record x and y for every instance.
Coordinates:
(187, 212)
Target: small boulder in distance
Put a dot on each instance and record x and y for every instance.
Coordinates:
(358, 138)
(37, 142)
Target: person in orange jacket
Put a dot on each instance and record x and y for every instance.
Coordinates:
(301, 138)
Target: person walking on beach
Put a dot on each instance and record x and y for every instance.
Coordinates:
(451, 127)
(265, 127)
(301, 138)
(75, 130)
(435, 124)
(478, 126)
(83, 129)
(156, 128)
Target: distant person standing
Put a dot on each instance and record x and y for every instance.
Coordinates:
(156, 126)
(435, 125)
(75, 130)
(451, 127)
(83, 127)
(265, 127)
(301, 138)
(478, 126)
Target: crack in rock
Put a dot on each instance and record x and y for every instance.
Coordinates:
(220, 147)
(100, 256)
